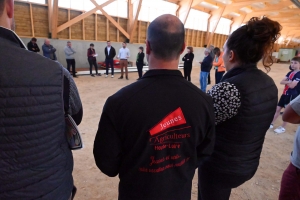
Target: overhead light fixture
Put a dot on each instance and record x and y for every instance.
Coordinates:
(273, 13)
(246, 10)
(274, 2)
(226, 2)
(234, 14)
(258, 5)
(208, 5)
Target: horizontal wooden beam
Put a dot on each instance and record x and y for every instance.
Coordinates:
(82, 16)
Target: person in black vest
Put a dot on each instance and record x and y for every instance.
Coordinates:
(35, 159)
(150, 133)
(32, 46)
(110, 53)
(245, 102)
(91, 54)
(188, 63)
(140, 62)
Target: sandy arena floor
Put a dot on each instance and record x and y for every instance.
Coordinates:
(92, 184)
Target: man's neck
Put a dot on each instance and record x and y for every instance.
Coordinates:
(160, 64)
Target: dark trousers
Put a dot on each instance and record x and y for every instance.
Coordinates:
(215, 185)
(69, 63)
(208, 78)
(109, 62)
(93, 62)
(290, 183)
(187, 69)
(218, 76)
(140, 69)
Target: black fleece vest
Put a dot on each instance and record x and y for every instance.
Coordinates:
(35, 161)
(239, 140)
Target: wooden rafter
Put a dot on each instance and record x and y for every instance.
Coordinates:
(82, 16)
(216, 16)
(135, 16)
(183, 10)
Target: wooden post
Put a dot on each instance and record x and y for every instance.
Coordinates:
(70, 30)
(201, 41)
(107, 30)
(118, 32)
(83, 30)
(139, 32)
(31, 19)
(54, 19)
(96, 27)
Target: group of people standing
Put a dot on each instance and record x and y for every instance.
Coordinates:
(153, 133)
(109, 51)
(213, 58)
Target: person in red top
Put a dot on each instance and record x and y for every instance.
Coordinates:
(290, 92)
(91, 54)
(218, 65)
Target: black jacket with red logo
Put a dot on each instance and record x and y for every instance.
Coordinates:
(152, 133)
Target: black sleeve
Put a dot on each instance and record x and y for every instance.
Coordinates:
(29, 46)
(37, 48)
(183, 59)
(206, 145)
(105, 52)
(142, 57)
(107, 145)
(114, 52)
(191, 57)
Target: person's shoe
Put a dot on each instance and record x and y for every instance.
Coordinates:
(75, 76)
(127, 78)
(106, 76)
(99, 74)
(271, 126)
(279, 130)
(92, 75)
(121, 77)
(112, 76)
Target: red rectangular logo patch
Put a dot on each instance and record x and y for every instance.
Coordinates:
(175, 118)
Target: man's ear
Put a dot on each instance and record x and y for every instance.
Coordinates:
(148, 47)
(9, 7)
(183, 48)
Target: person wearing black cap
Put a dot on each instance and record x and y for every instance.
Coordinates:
(91, 54)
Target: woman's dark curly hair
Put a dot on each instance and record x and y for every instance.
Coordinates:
(255, 41)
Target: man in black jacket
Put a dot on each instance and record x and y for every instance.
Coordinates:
(154, 131)
(110, 53)
(32, 46)
(35, 159)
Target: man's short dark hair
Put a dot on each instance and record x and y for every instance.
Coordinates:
(1, 6)
(33, 39)
(108, 41)
(166, 39)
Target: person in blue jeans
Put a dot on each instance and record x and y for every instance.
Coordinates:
(205, 69)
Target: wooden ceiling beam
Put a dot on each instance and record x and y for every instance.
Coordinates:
(135, 19)
(54, 19)
(215, 17)
(82, 16)
(237, 22)
(114, 22)
(183, 11)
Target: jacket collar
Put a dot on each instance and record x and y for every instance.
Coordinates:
(11, 37)
(238, 70)
(162, 72)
